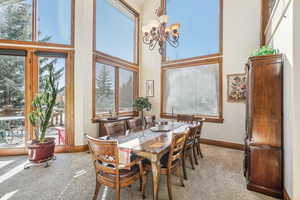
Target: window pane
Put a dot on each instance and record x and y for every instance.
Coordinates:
(105, 88)
(16, 20)
(126, 90)
(115, 30)
(12, 93)
(199, 20)
(192, 90)
(57, 126)
(54, 21)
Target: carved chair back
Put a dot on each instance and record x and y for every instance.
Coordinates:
(199, 129)
(115, 128)
(135, 124)
(150, 121)
(176, 148)
(105, 156)
(185, 118)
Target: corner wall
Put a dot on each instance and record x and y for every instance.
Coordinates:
(241, 36)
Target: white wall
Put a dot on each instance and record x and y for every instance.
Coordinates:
(83, 68)
(285, 39)
(241, 37)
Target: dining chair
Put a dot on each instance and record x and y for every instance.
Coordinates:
(134, 124)
(189, 150)
(150, 121)
(109, 171)
(170, 162)
(197, 144)
(115, 128)
(185, 118)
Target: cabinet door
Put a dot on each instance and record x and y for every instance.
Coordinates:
(266, 167)
(265, 106)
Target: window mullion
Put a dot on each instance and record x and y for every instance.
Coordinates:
(34, 19)
(117, 101)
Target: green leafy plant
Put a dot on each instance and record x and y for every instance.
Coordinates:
(141, 104)
(264, 50)
(43, 104)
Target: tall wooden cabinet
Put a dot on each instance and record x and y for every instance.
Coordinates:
(264, 125)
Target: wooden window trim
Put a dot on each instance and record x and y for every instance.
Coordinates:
(34, 38)
(214, 119)
(136, 37)
(220, 53)
(99, 59)
(31, 87)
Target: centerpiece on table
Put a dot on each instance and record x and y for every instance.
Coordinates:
(142, 104)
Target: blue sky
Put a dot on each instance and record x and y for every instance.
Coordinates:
(55, 20)
(115, 32)
(199, 20)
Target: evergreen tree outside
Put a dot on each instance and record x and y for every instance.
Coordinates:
(126, 95)
(105, 94)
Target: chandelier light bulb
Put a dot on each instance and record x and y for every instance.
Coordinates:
(163, 19)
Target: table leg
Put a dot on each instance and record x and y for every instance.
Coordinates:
(156, 177)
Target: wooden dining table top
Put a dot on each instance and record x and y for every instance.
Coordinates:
(148, 140)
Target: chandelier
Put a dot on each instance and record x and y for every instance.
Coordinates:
(157, 31)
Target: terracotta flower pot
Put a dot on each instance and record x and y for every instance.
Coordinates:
(41, 152)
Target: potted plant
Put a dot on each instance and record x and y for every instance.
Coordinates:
(142, 104)
(264, 50)
(41, 148)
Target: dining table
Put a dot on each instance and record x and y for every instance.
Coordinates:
(151, 143)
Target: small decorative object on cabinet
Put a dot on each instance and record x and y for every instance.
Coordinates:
(236, 87)
(264, 116)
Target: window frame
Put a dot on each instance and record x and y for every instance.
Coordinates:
(31, 89)
(220, 53)
(219, 61)
(136, 37)
(216, 58)
(34, 40)
(117, 66)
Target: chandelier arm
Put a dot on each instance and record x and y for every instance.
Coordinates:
(152, 45)
(173, 43)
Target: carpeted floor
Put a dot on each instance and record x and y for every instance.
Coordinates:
(71, 177)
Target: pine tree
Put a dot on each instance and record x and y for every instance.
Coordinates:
(15, 25)
(104, 90)
(126, 94)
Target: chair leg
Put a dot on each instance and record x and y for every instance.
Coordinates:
(97, 188)
(144, 186)
(118, 192)
(191, 158)
(169, 185)
(183, 167)
(195, 154)
(199, 150)
(179, 173)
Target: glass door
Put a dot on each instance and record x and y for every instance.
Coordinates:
(58, 61)
(12, 98)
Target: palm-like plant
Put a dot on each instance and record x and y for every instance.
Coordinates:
(43, 105)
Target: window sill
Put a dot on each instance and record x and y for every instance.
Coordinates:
(210, 119)
(98, 118)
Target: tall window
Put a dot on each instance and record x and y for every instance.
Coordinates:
(58, 119)
(114, 89)
(200, 28)
(116, 30)
(52, 21)
(116, 57)
(192, 72)
(12, 98)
